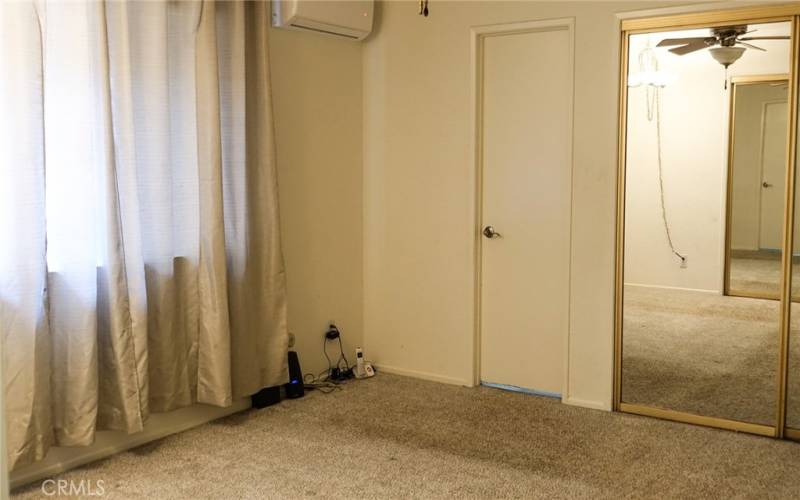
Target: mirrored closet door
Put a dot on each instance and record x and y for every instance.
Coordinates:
(792, 394)
(704, 257)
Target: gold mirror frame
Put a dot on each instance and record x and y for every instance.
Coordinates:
(752, 15)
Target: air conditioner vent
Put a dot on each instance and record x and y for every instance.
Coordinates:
(348, 19)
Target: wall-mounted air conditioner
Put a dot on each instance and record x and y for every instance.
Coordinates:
(348, 18)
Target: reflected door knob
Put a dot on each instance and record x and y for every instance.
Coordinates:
(490, 233)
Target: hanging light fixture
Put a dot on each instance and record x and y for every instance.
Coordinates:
(726, 55)
(649, 73)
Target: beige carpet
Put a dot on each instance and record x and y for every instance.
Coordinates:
(395, 437)
(706, 354)
(760, 273)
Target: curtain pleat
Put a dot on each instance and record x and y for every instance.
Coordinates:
(122, 304)
(23, 269)
(138, 190)
(257, 280)
(214, 356)
(71, 166)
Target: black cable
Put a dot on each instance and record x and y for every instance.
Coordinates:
(315, 382)
(343, 357)
(342, 370)
(325, 351)
(324, 387)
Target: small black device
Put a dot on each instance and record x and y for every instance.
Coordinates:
(341, 371)
(295, 388)
(266, 397)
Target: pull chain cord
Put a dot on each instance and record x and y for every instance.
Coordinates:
(725, 85)
(647, 60)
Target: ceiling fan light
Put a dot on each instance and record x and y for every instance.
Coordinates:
(726, 55)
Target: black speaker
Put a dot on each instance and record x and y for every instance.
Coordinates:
(266, 397)
(295, 388)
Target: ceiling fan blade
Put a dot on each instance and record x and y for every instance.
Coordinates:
(692, 47)
(781, 37)
(749, 46)
(667, 42)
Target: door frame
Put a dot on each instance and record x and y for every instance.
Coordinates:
(477, 35)
(736, 82)
(748, 15)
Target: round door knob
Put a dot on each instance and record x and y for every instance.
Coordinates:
(490, 233)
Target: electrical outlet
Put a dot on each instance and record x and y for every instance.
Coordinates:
(684, 262)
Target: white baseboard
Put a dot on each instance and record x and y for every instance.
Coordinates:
(107, 443)
(585, 403)
(433, 377)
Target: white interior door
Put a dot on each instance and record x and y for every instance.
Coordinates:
(773, 172)
(526, 109)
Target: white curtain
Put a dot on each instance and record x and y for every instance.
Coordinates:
(140, 257)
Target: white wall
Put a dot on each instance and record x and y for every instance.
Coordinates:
(419, 189)
(694, 149)
(317, 95)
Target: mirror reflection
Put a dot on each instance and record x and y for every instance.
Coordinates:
(687, 346)
(793, 378)
(756, 172)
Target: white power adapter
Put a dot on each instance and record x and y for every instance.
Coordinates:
(363, 368)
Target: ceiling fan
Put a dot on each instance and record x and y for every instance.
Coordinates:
(726, 44)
